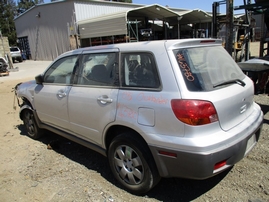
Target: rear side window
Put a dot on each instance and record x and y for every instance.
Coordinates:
(99, 69)
(205, 67)
(139, 71)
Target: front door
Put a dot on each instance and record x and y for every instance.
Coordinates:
(51, 97)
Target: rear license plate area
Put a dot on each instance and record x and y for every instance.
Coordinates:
(251, 142)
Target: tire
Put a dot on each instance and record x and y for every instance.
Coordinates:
(20, 59)
(33, 131)
(132, 164)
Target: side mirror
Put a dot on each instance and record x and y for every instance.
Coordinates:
(39, 79)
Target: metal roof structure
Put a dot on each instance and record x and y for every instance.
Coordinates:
(153, 12)
(258, 7)
(45, 32)
(195, 16)
(116, 23)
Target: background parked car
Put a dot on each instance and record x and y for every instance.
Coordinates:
(15, 53)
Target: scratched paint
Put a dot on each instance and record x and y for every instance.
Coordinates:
(125, 112)
(152, 98)
(128, 96)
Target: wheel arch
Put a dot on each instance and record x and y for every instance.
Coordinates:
(137, 140)
(116, 130)
(26, 105)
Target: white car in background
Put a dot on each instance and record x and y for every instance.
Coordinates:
(16, 54)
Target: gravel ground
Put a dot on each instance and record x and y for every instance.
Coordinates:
(32, 171)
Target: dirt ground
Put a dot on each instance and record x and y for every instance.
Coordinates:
(30, 171)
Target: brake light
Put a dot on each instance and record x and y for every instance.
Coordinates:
(170, 154)
(194, 112)
(219, 164)
(208, 41)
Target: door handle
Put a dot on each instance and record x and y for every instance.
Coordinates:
(61, 94)
(104, 99)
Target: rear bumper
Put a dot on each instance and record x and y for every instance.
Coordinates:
(16, 56)
(200, 165)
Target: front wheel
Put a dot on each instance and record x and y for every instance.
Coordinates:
(132, 165)
(33, 131)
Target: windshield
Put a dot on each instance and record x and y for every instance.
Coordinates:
(204, 68)
(14, 49)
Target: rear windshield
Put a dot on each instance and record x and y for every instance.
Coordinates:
(205, 67)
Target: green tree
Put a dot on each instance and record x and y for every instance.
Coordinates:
(7, 25)
(8, 11)
(24, 5)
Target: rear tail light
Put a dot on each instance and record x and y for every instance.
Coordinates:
(194, 112)
(219, 164)
(208, 41)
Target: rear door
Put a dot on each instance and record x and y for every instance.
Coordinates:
(93, 100)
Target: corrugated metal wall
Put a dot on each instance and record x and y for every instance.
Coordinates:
(91, 9)
(48, 34)
(108, 25)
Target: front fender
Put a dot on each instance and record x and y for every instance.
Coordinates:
(26, 90)
(24, 107)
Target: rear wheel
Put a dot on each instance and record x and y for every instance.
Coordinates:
(132, 164)
(33, 131)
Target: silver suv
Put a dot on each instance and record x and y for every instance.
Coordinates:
(176, 108)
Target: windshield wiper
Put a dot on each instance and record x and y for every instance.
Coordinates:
(237, 81)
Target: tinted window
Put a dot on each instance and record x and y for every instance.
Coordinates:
(205, 67)
(14, 49)
(61, 71)
(99, 69)
(139, 70)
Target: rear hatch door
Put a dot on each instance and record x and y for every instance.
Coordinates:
(205, 71)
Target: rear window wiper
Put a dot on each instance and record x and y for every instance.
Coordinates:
(237, 81)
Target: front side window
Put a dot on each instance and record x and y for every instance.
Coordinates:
(204, 68)
(139, 71)
(61, 71)
(99, 69)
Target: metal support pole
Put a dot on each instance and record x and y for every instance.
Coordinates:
(247, 34)
(178, 30)
(136, 26)
(229, 26)
(262, 36)
(215, 6)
